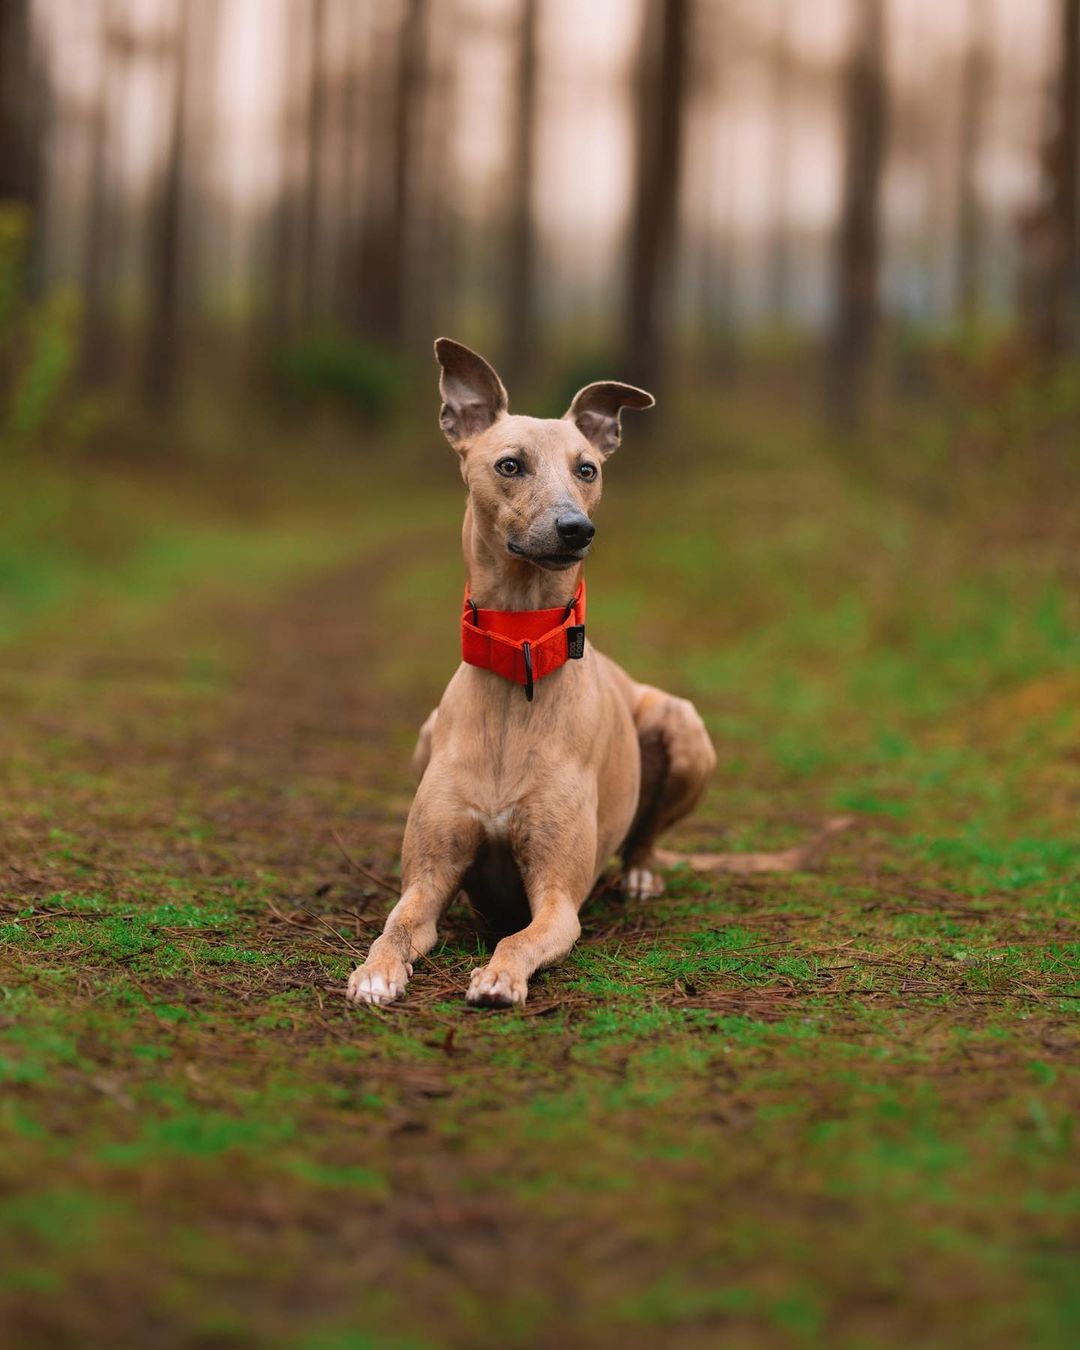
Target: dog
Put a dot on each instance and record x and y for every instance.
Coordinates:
(544, 759)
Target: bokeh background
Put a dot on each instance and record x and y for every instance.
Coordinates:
(838, 240)
(666, 187)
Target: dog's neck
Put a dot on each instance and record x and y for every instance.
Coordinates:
(496, 580)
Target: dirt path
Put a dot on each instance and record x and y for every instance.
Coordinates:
(208, 745)
(767, 1113)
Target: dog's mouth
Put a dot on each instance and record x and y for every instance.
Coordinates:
(552, 562)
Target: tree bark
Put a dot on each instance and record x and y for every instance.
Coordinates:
(858, 242)
(650, 282)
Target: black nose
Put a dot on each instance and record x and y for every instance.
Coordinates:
(574, 529)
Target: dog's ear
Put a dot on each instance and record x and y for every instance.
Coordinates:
(473, 396)
(595, 412)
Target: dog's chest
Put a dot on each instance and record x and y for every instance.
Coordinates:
(495, 822)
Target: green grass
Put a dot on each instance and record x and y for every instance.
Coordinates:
(835, 1108)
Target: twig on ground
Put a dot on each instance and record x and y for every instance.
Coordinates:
(364, 871)
(318, 919)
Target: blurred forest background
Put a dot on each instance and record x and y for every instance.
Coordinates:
(838, 236)
(307, 191)
(230, 230)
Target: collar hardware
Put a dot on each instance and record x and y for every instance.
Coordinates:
(526, 652)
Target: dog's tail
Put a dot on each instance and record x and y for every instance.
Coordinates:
(797, 859)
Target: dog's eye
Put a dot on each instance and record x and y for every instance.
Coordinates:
(587, 471)
(508, 466)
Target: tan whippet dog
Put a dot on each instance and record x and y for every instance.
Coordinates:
(522, 800)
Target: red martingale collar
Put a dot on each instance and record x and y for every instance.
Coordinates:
(523, 645)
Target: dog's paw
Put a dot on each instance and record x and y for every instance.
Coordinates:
(378, 982)
(640, 883)
(496, 987)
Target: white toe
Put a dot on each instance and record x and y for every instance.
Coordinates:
(641, 883)
(496, 988)
(372, 986)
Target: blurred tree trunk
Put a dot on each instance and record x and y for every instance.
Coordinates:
(97, 335)
(718, 301)
(160, 371)
(716, 40)
(389, 226)
(433, 269)
(1070, 173)
(779, 278)
(858, 236)
(1052, 299)
(377, 154)
(650, 281)
(346, 252)
(284, 235)
(25, 108)
(21, 93)
(205, 232)
(520, 315)
(969, 234)
(316, 121)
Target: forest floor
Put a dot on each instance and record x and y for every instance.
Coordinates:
(834, 1108)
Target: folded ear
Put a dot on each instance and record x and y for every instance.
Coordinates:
(472, 394)
(595, 412)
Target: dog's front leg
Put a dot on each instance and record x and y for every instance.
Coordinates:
(505, 979)
(557, 879)
(410, 932)
(438, 848)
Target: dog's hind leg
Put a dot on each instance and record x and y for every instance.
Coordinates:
(422, 754)
(677, 758)
(796, 859)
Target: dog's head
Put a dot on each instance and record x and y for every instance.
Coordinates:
(533, 482)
